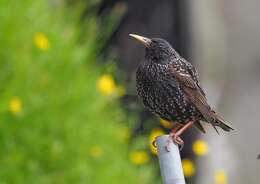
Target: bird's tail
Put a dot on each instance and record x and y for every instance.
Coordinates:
(220, 122)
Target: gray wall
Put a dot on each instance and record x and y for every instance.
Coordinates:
(226, 42)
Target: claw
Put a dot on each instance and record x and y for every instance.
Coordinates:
(167, 149)
(176, 138)
(167, 145)
(181, 146)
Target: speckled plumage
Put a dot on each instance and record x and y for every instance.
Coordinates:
(160, 91)
(168, 86)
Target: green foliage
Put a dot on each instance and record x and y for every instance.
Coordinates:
(63, 130)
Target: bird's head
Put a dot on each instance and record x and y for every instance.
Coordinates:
(157, 49)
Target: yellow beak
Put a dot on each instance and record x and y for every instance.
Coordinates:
(146, 41)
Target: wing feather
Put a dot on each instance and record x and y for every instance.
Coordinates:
(194, 92)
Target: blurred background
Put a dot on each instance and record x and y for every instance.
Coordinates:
(69, 111)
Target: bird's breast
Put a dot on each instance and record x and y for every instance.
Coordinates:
(161, 93)
(157, 90)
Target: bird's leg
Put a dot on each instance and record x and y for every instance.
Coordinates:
(172, 133)
(175, 128)
(176, 135)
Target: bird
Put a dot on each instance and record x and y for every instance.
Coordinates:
(168, 85)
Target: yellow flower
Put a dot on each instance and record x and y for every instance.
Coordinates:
(220, 177)
(41, 41)
(166, 124)
(96, 151)
(155, 133)
(188, 167)
(200, 147)
(15, 106)
(106, 85)
(139, 157)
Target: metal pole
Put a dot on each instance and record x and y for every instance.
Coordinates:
(170, 161)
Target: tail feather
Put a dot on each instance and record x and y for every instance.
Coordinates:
(214, 126)
(199, 126)
(220, 122)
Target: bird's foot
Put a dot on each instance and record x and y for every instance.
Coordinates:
(176, 139)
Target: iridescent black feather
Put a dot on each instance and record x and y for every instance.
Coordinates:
(168, 85)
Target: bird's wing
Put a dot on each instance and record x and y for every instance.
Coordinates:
(193, 73)
(193, 91)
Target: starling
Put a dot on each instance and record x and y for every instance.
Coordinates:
(168, 86)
